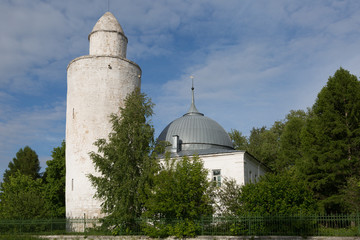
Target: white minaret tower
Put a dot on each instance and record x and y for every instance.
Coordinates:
(97, 85)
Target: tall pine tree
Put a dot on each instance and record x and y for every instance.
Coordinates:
(26, 161)
(331, 139)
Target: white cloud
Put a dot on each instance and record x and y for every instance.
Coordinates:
(253, 61)
(38, 127)
(254, 82)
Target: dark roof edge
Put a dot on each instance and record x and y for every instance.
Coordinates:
(254, 158)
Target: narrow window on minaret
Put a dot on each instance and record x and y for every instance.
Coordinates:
(72, 184)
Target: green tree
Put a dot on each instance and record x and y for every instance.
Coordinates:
(228, 197)
(264, 143)
(290, 141)
(351, 194)
(273, 194)
(239, 141)
(256, 140)
(26, 161)
(125, 162)
(22, 198)
(180, 192)
(54, 180)
(330, 140)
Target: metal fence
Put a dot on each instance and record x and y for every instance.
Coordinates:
(317, 225)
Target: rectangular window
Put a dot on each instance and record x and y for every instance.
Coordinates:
(72, 184)
(216, 177)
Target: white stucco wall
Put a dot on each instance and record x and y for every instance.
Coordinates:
(235, 165)
(108, 44)
(95, 91)
(253, 169)
(97, 85)
(230, 164)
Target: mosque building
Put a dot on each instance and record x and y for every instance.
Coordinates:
(97, 85)
(196, 134)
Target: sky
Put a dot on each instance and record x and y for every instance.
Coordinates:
(252, 61)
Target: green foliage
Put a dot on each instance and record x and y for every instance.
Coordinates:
(239, 141)
(330, 140)
(54, 180)
(228, 197)
(19, 237)
(24, 195)
(278, 147)
(21, 198)
(273, 194)
(264, 143)
(26, 161)
(185, 228)
(351, 195)
(321, 146)
(290, 141)
(125, 162)
(180, 192)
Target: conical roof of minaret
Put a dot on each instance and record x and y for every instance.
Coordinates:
(108, 22)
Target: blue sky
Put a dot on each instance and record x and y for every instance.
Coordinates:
(253, 61)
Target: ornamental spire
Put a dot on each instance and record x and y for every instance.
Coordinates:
(193, 109)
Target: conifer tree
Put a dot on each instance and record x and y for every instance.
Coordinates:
(331, 139)
(26, 161)
(125, 162)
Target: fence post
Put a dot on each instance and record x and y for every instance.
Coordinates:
(358, 221)
(202, 225)
(250, 232)
(84, 222)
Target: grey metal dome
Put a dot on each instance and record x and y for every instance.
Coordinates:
(195, 132)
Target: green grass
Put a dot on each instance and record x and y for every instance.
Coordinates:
(18, 237)
(345, 232)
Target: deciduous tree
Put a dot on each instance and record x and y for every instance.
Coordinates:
(54, 182)
(239, 141)
(228, 198)
(180, 192)
(22, 198)
(273, 194)
(290, 141)
(124, 161)
(264, 143)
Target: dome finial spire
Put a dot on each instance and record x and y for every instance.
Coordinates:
(192, 89)
(192, 109)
